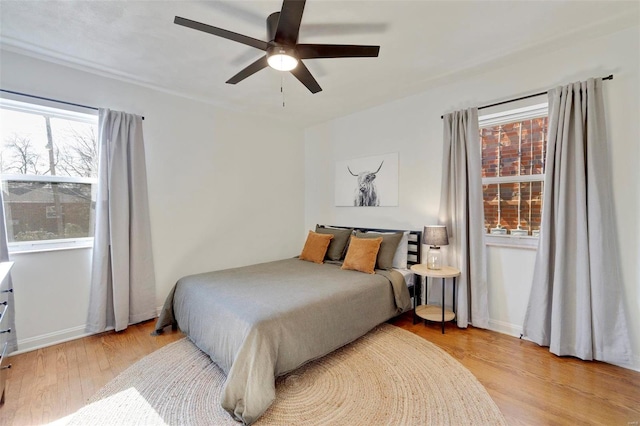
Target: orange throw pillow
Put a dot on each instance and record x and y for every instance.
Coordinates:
(362, 254)
(316, 247)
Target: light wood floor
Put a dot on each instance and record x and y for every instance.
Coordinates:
(530, 385)
(534, 387)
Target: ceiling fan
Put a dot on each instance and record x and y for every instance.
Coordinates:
(283, 52)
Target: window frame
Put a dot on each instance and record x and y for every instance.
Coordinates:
(504, 117)
(74, 114)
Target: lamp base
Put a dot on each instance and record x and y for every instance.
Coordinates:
(434, 258)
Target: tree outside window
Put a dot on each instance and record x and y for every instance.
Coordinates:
(48, 161)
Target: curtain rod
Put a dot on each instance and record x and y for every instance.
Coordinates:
(609, 77)
(50, 99)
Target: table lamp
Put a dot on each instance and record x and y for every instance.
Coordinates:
(435, 236)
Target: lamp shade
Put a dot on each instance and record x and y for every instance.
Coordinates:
(435, 235)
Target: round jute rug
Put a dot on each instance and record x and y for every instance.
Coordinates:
(388, 377)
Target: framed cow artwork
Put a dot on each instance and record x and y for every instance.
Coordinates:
(367, 181)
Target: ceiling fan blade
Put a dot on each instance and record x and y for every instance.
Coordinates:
(248, 71)
(289, 22)
(230, 35)
(302, 73)
(312, 51)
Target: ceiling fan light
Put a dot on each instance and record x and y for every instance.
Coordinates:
(282, 59)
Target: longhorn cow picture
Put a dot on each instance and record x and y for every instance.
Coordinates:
(367, 181)
(366, 193)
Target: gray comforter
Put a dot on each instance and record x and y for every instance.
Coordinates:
(261, 321)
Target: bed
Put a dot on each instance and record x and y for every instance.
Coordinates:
(261, 321)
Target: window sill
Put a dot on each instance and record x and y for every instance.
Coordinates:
(52, 245)
(511, 241)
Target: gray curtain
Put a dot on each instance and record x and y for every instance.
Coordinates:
(12, 339)
(576, 302)
(462, 211)
(122, 275)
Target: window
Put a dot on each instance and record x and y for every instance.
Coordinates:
(514, 147)
(48, 162)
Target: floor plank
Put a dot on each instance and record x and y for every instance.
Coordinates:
(534, 387)
(48, 384)
(530, 385)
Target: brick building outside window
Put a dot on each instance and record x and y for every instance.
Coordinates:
(514, 145)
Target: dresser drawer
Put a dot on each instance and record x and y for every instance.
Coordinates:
(5, 290)
(4, 360)
(4, 325)
(4, 365)
(6, 307)
(4, 297)
(5, 267)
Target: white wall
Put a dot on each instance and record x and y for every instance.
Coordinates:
(221, 194)
(412, 127)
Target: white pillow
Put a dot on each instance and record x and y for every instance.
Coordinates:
(400, 258)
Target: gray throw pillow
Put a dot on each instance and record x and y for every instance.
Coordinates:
(338, 243)
(387, 248)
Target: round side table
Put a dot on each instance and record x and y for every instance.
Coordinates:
(434, 312)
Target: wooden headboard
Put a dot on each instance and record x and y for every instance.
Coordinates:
(414, 248)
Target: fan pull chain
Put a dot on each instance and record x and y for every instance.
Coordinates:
(282, 89)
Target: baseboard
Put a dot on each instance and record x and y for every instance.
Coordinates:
(635, 360)
(38, 342)
(50, 339)
(505, 328)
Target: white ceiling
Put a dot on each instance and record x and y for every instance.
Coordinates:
(423, 43)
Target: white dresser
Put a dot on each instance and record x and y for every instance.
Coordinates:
(5, 309)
